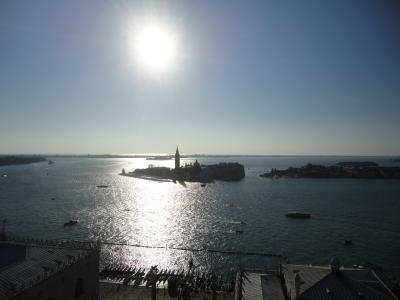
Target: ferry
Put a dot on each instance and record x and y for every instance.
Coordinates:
(298, 215)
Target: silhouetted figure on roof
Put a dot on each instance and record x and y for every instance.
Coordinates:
(3, 231)
(196, 166)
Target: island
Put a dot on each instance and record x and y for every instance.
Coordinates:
(6, 160)
(361, 170)
(191, 173)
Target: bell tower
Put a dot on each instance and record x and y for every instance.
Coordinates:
(177, 159)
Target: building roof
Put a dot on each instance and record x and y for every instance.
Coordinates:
(318, 282)
(42, 260)
(262, 286)
(252, 286)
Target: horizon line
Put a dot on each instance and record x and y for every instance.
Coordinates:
(139, 155)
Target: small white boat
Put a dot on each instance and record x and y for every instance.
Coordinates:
(298, 215)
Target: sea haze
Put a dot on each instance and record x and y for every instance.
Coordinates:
(150, 213)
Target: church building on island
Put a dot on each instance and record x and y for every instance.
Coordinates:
(177, 160)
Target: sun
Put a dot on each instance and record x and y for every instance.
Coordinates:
(155, 47)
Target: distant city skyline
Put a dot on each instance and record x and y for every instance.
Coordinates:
(247, 78)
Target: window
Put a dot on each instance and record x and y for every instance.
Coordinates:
(79, 288)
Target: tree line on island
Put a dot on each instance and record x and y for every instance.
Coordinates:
(362, 170)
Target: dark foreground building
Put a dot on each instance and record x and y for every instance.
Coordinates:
(307, 282)
(334, 282)
(49, 270)
(54, 270)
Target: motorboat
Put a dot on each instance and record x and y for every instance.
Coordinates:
(71, 223)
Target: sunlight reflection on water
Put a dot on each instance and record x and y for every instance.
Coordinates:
(137, 211)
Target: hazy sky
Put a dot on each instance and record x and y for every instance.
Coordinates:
(267, 77)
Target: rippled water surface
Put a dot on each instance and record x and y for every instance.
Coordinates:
(137, 211)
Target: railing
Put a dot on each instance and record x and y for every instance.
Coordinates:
(71, 244)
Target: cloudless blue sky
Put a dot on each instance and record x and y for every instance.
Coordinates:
(253, 77)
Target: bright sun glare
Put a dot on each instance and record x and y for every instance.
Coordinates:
(155, 47)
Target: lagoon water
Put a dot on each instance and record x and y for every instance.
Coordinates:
(136, 211)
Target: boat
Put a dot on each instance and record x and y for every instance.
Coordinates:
(51, 162)
(298, 215)
(348, 243)
(203, 185)
(102, 186)
(4, 175)
(71, 223)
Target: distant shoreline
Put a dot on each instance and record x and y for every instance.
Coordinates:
(10, 160)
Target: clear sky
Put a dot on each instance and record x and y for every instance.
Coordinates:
(267, 77)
